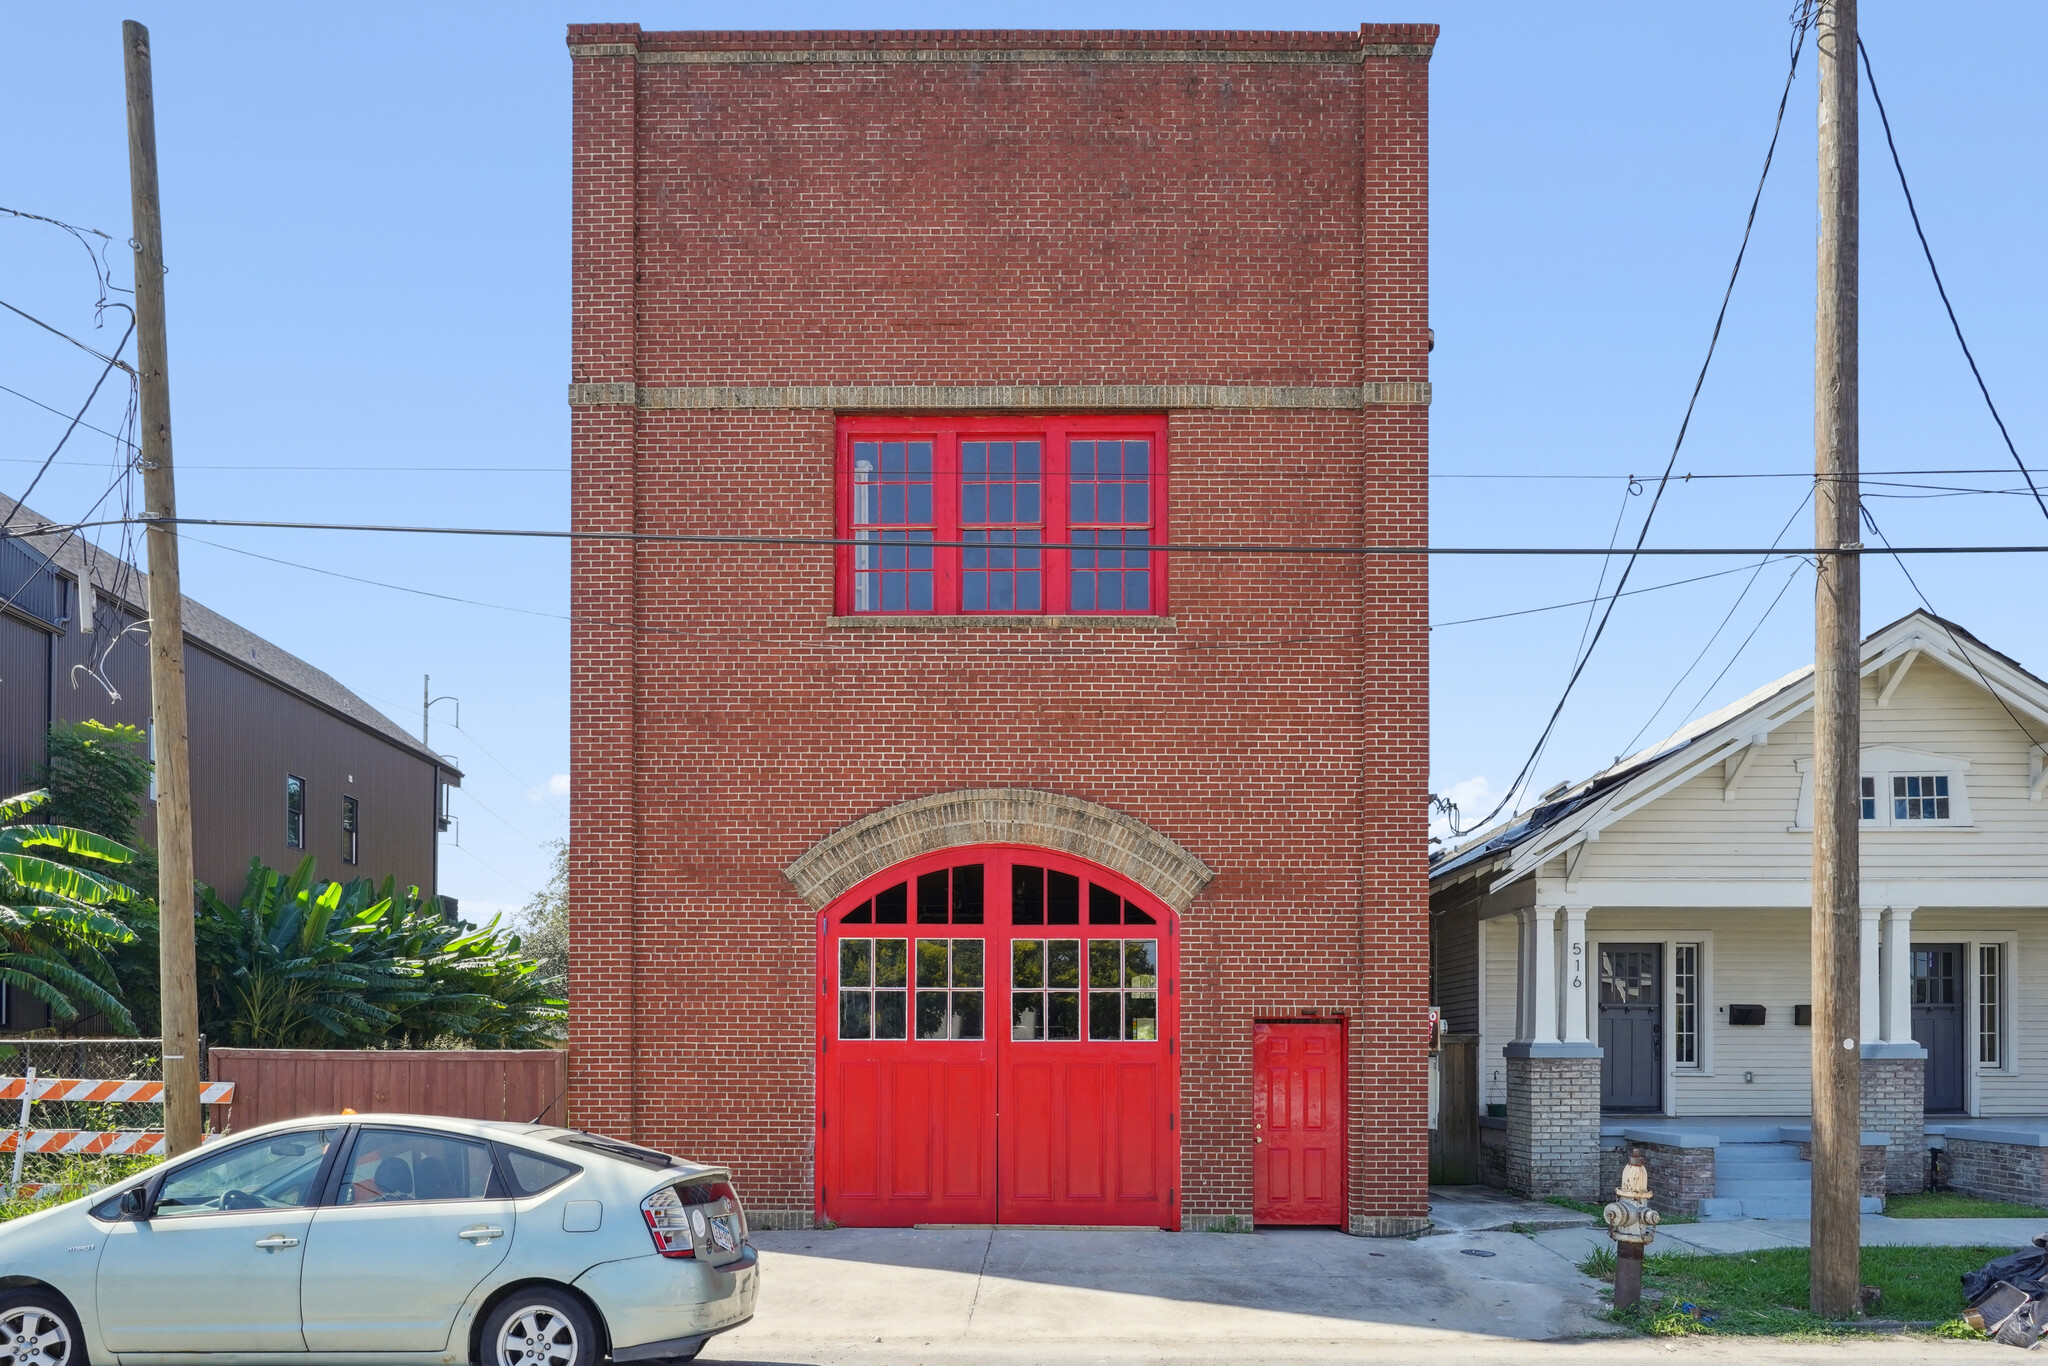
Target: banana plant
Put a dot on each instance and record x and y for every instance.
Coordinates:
(57, 920)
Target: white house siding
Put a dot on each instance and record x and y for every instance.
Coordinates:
(1498, 944)
(1692, 834)
(2020, 1087)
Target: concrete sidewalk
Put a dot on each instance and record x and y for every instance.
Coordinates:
(1002, 1297)
(1748, 1235)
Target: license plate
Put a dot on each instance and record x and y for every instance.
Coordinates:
(721, 1233)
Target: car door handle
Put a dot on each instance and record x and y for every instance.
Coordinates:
(276, 1241)
(479, 1234)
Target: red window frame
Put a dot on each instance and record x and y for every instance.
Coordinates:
(1056, 435)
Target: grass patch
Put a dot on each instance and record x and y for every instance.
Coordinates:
(1599, 1211)
(1956, 1205)
(76, 1176)
(1766, 1292)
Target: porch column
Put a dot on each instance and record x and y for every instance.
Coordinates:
(1898, 974)
(1869, 999)
(1578, 971)
(1539, 974)
(1894, 1067)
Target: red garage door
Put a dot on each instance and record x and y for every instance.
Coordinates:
(998, 1044)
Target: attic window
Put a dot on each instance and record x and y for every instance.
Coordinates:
(1919, 797)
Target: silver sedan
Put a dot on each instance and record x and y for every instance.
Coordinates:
(395, 1238)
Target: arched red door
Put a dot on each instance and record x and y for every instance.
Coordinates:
(998, 1042)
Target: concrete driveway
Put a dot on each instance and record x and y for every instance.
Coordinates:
(1014, 1296)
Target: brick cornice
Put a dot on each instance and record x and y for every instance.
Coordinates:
(998, 815)
(1001, 397)
(1013, 46)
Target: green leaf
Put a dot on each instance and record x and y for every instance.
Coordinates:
(72, 884)
(65, 840)
(15, 807)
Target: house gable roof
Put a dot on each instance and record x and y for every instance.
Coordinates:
(117, 580)
(1517, 847)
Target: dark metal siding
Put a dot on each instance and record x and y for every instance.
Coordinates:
(24, 703)
(1454, 960)
(247, 734)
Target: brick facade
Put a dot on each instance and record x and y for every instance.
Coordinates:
(883, 221)
(1679, 1177)
(1894, 1093)
(1872, 1167)
(1998, 1171)
(1553, 1145)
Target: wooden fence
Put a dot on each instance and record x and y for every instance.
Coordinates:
(288, 1083)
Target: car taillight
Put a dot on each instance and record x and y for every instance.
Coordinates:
(669, 1222)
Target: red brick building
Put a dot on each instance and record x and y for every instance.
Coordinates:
(940, 863)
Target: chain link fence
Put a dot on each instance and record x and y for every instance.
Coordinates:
(82, 1060)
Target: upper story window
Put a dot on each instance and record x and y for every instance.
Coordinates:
(1900, 789)
(294, 811)
(351, 820)
(1052, 516)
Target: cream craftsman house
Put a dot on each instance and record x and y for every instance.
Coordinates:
(1632, 955)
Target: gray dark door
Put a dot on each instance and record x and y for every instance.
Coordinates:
(1631, 1027)
(1938, 1022)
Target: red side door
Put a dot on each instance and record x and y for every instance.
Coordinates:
(1298, 1123)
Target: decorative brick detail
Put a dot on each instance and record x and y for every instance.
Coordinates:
(1553, 1143)
(1045, 820)
(1998, 1171)
(951, 398)
(1679, 1177)
(1894, 1100)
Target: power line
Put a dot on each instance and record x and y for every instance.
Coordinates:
(1940, 288)
(76, 419)
(765, 540)
(1581, 602)
(90, 351)
(1799, 26)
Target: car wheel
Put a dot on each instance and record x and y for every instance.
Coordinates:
(538, 1327)
(36, 1330)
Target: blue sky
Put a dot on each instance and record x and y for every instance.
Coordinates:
(366, 217)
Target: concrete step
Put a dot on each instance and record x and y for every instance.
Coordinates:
(1758, 1169)
(1763, 1190)
(1718, 1208)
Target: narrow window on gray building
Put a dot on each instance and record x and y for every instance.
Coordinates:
(1990, 1043)
(294, 811)
(348, 829)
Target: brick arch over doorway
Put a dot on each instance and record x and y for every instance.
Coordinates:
(999, 815)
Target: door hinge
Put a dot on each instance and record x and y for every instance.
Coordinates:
(1169, 1121)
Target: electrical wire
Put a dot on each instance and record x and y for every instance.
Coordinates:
(1733, 607)
(1581, 602)
(1940, 288)
(90, 351)
(1802, 19)
(76, 419)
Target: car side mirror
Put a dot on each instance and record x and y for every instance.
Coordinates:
(135, 1202)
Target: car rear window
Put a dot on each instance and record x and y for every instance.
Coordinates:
(625, 1152)
(534, 1173)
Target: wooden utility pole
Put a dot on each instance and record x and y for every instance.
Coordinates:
(179, 989)
(1838, 692)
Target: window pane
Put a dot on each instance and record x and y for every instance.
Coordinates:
(966, 962)
(1062, 899)
(1063, 1015)
(1027, 963)
(856, 1020)
(273, 1173)
(1063, 963)
(1105, 1015)
(889, 1014)
(966, 1015)
(892, 962)
(967, 906)
(1103, 964)
(1141, 962)
(535, 1173)
(1027, 1015)
(1104, 906)
(931, 1014)
(933, 898)
(931, 962)
(391, 1165)
(892, 907)
(863, 914)
(856, 962)
(1141, 1017)
(1027, 895)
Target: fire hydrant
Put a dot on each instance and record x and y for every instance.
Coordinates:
(1632, 1224)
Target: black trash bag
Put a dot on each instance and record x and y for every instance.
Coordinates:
(2026, 1269)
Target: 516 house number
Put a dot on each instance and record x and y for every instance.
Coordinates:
(1578, 966)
